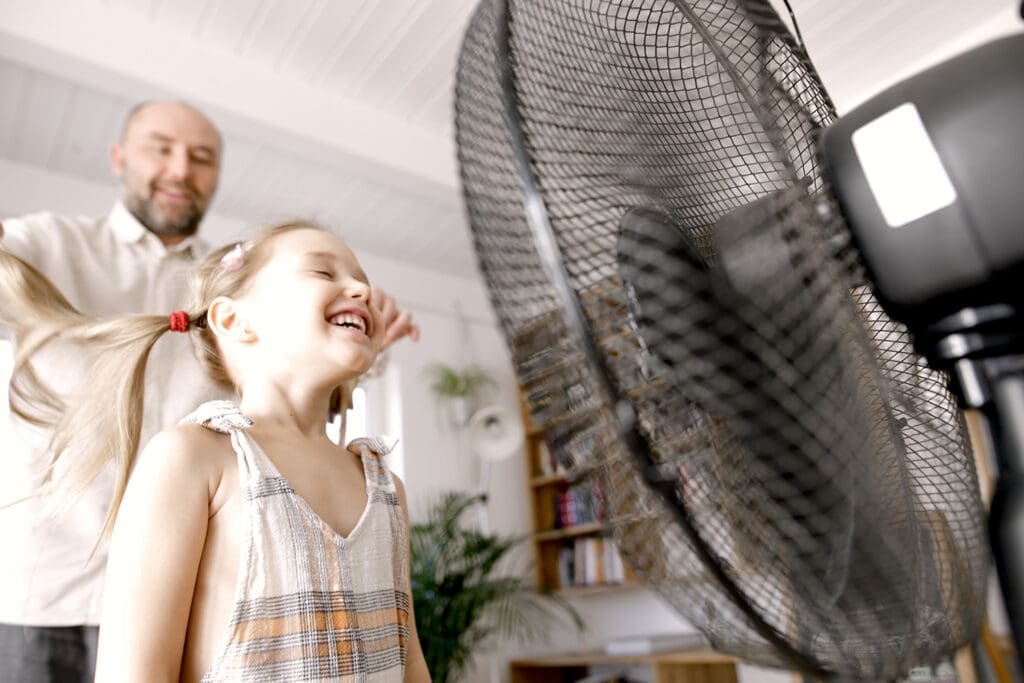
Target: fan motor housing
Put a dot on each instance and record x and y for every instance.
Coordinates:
(954, 134)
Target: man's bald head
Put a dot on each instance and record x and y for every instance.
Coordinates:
(183, 109)
(168, 161)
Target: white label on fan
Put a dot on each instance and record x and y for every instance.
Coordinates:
(902, 167)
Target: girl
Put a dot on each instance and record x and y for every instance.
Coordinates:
(247, 545)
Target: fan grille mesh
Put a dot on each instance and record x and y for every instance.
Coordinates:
(817, 454)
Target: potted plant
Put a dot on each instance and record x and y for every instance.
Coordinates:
(463, 602)
(458, 387)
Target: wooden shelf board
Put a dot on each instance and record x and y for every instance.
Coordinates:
(549, 479)
(569, 532)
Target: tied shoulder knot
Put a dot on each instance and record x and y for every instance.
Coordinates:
(379, 445)
(219, 416)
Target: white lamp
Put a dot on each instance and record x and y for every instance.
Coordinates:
(494, 433)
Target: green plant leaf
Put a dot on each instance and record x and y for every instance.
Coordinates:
(463, 601)
(452, 383)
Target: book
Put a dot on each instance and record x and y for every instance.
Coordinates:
(579, 563)
(566, 567)
(580, 504)
(547, 461)
(593, 574)
(654, 644)
(615, 571)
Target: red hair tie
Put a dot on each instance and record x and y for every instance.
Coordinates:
(179, 321)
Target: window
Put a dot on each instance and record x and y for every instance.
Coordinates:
(376, 409)
(355, 419)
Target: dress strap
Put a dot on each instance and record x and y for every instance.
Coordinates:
(380, 445)
(224, 417)
(375, 468)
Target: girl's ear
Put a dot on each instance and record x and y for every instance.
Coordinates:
(226, 320)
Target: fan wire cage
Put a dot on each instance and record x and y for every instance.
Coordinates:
(823, 510)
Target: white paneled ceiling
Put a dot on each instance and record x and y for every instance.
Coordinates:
(341, 109)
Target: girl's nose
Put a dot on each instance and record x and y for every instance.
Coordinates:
(357, 290)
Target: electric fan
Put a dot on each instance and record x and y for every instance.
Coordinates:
(690, 322)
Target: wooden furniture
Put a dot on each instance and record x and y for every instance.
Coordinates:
(697, 666)
(554, 540)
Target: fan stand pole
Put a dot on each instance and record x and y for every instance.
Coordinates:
(1006, 515)
(981, 348)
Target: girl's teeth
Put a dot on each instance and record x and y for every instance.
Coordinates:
(350, 320)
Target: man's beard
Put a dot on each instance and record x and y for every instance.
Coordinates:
(148, 212)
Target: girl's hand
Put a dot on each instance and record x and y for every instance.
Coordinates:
(397, 322)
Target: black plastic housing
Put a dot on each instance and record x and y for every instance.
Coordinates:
(971, 252)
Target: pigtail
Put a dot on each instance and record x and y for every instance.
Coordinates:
(102, 419)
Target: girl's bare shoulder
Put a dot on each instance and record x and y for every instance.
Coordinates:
(190, 442)
(186, 453)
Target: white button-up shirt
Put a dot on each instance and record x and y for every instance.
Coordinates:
(49, 574)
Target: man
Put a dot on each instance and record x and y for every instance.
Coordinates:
(135, 259)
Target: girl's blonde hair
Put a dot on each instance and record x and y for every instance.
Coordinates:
(104, 419)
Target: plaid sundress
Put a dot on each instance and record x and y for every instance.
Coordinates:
(311, 605)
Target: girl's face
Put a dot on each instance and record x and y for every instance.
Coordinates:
(309, 309)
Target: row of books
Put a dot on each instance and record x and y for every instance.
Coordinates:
(590, 561)
(582, 503)
(549, 464)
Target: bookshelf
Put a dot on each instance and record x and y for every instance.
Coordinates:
(576, 554)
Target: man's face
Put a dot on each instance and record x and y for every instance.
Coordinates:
(168, 163)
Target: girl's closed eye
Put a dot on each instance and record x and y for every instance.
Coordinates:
(325, 273)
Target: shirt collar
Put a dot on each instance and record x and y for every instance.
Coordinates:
(128, 229)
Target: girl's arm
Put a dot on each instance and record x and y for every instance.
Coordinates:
(154, 558)
(415, 663)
